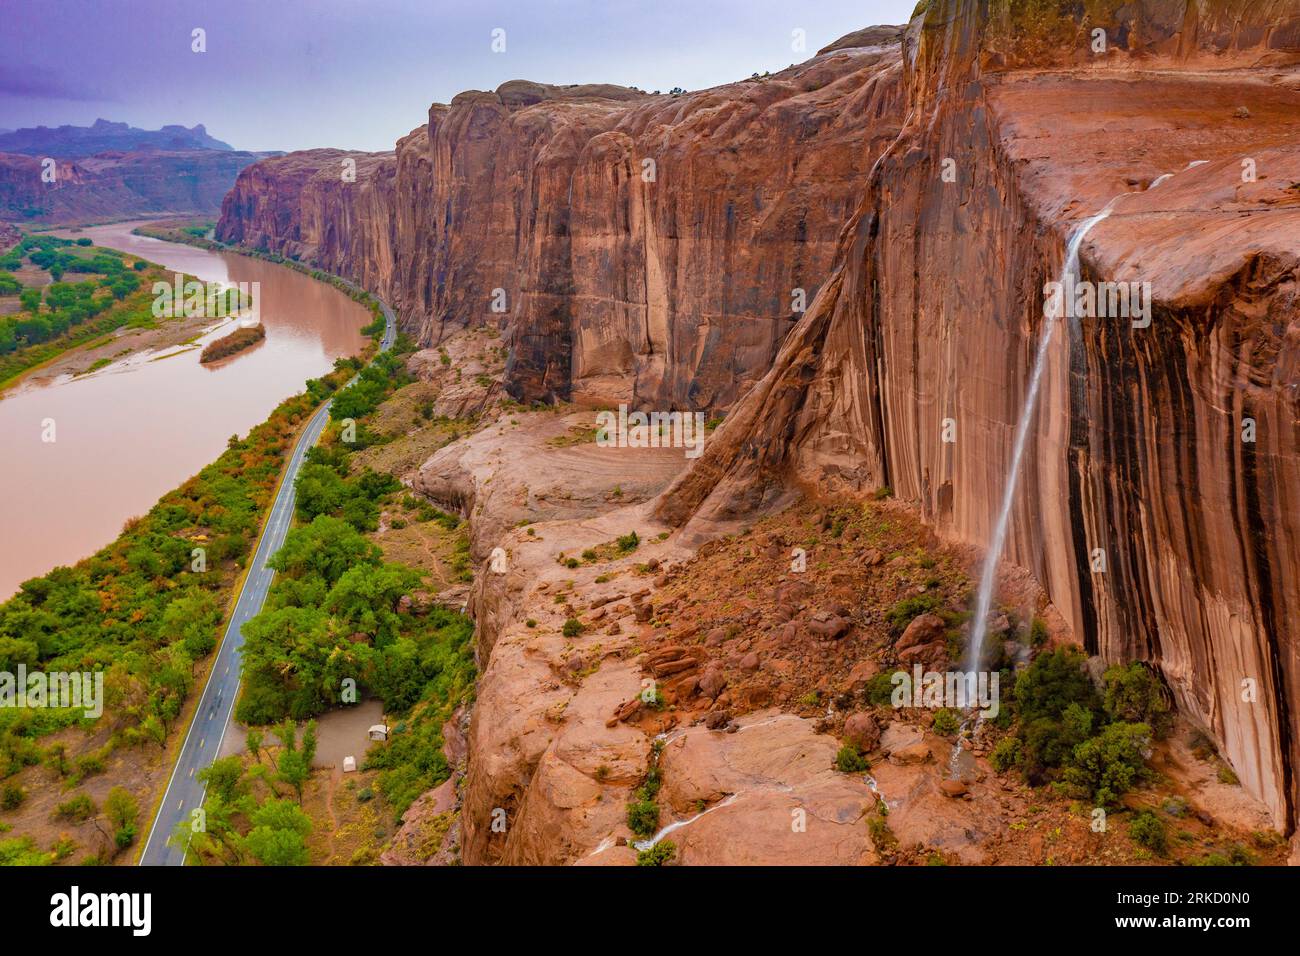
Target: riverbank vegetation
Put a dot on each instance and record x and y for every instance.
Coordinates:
(253, 810)
(146, 611)
(112, 291)
(341, 621)
(242, 338)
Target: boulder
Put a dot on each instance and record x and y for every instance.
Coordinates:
(953, 788)
(862, 731)
(829, 625)
(924, 629)
(912, 754)
(859, 676)
(712, 681)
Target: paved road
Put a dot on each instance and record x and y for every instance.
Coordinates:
(202, 744)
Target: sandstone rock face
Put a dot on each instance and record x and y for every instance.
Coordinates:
(931, 317)
(639, 248)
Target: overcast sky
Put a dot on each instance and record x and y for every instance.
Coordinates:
(294, 74)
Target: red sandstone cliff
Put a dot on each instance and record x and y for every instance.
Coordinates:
(669, 284)
(935, 306)
(831, 176)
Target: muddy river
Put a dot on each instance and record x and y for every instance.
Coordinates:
(128, 432)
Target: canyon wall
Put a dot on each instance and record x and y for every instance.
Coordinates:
(1156, 506)
(636, 247)
(925, 189)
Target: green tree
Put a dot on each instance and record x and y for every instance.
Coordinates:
(309, 742)
(253, 741)
(1052, 682)
(365, 599)
(319, 490)
(122, 813)
(327, 547)
(1108, 765)
(284, 658)
(192, 619)
(279, 834)
(1134, 693)
(294, 770)
(225, 778)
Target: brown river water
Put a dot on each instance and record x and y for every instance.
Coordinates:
(131, 431)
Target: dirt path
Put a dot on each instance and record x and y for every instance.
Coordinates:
(331, 785)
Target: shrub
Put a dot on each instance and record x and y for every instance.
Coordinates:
(1235, 855)
(236, 341)
(628, 542)
(88, 765)
(122, 813)
(642, 811)
(661, 854)
(849, 760)
(1006, 754)
(880, 689)
(882, 837)
(12, 797)
(572, 627)
(1135, 694)
(1052, 682)
(1108, 765)
(1148, 830)
(945, 722)
(1048, 743)
(902, 613)
(1038, 632)
(80, 808)
(643, 817)
(22, 851)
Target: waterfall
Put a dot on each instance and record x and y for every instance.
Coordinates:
(672, 827)
(994, 556)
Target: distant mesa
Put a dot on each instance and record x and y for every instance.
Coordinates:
(71, 141)
(113, 170)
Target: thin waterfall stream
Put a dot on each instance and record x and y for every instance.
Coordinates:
(988, 577)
